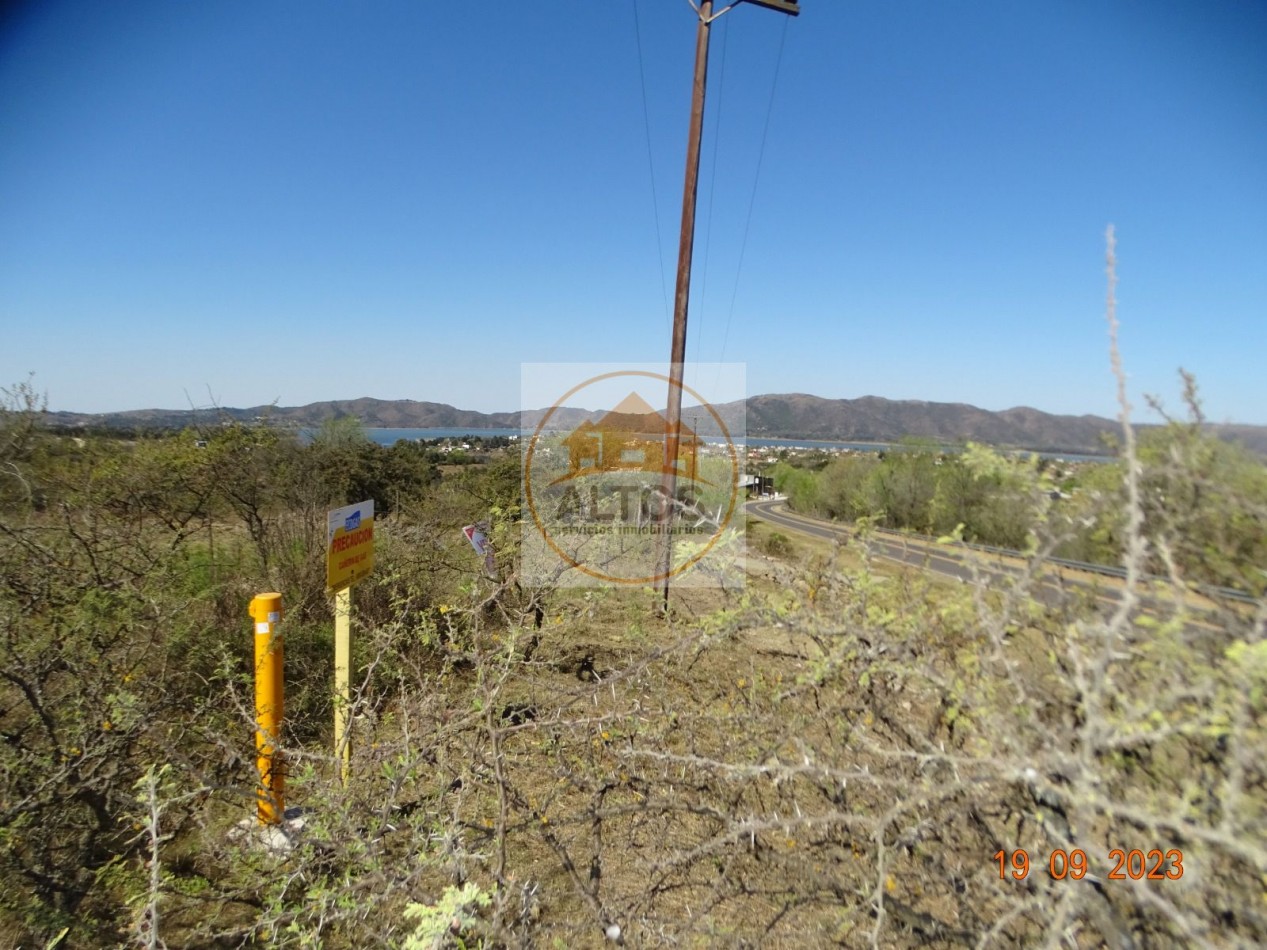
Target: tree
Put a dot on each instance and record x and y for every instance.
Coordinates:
(904, 484)
(799, 486)
(20, 409)
(1205, 507)
(844, 487)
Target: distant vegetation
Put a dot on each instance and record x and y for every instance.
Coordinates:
(1207, 494)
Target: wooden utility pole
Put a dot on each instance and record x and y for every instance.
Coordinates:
(686, 245)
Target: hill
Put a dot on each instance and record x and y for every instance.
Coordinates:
(874, 419)
(790, 415)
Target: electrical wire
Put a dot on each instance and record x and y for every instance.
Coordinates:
(655, 201)
(712, 185)
(743, 247)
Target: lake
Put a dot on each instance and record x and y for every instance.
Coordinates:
(392, 436)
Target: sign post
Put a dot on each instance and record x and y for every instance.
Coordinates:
(343, 679)
(349, 558)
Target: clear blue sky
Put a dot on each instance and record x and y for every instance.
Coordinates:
(251, 202)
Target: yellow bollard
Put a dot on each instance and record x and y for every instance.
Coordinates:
(266, 611)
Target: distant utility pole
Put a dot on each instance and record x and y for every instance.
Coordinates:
(685, 247)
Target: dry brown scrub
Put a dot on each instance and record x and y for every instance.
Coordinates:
(830, 758)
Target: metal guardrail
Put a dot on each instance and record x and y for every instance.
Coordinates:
(1105, 570)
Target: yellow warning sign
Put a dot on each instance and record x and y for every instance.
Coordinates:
(349, 544)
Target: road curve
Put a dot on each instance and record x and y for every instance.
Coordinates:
(1055, 587)
(948, 562)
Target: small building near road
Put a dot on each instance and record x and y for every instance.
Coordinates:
(757, 486)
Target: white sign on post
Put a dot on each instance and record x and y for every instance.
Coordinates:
(478, 537)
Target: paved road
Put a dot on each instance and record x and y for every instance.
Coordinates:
(887, 545)
(1056, 587)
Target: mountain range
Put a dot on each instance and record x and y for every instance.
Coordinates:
(789, 415)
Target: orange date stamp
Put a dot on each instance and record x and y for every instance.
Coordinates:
(1135, 864)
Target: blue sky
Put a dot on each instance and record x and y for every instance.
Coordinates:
(255, 202)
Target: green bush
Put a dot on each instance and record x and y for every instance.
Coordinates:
(778, 545)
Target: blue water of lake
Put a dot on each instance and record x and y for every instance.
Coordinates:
(392, 436)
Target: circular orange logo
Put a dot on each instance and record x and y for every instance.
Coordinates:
(621, 496)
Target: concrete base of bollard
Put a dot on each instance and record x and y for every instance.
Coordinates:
(279, 839)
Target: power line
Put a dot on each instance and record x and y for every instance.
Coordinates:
(752, 200)
(712, 185)
(655, 201)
